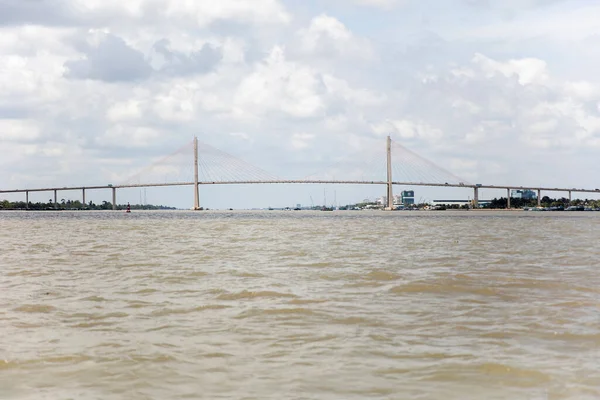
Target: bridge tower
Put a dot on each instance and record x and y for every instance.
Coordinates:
(196, 185)
(390, 192)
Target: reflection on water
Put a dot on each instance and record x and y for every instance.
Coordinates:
(303, 305)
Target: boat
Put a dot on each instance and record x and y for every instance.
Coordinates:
(576, 208)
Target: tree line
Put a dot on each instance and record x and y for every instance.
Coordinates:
(66, 204)
(545, 202)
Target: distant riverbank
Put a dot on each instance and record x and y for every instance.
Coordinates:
(69, 205)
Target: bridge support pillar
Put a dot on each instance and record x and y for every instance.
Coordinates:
(114, 198)
(475, 197)
(539, 198)
(390, 191)
(196, 185)
(27, 199)
(508, 198)
(55, 199)
(569, 196)
(83, 196)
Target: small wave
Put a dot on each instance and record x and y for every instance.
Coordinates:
(358, 321)
(197, 273)
(307, 301)
(217, 355)
(393, 371)
(211, 307)
(146, 291)
(245, 294)
(292, 253)
(288, 311)
(94, 324)
(377, 392)
(282, 312)
(494, 369)
(176, 279)
(171, 311)
(317, 265)
(183, 292)
(138, 304)
(364, 284)
(248, 274)
(26, 325)
(497, 335)
(96, 318)
(155, 358)
(382, 276)
(381, 338)
(35, 308)
(70, 359)
(574, 304)
(569, 337)
(546, 284)
(94, 298)
(464, 277)
(307, 339)
(161, 328)
(32, 274)
(112, 345)
(335, 277)
(80, 253)
(444, 288)
(520, 377)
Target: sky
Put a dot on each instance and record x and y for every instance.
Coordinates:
(495, 91)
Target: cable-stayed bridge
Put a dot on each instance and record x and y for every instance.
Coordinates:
(196, 164)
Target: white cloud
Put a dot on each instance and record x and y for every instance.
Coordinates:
(302, 140)
(280, 85)
(123, 111)
(241, 135)
(337, 122)
(565, 21)
(407, 129)
(360, 97)
(386, 4)
(206, 11)
(582, 90)
(526, 70)
(196, 12)
(298, 90)
(327, 36)
(110, 59)
(130, 136)
(18, 130)
(29, 80)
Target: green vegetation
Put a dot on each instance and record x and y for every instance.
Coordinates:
(75, 205)
(447, 207)
(546, 202)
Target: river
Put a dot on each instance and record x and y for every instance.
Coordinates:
(299, 305)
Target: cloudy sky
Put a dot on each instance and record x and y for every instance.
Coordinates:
(496, 91)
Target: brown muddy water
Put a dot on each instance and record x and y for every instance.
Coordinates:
(299, 305)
